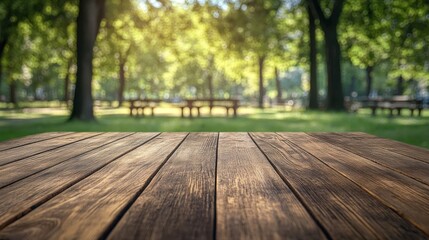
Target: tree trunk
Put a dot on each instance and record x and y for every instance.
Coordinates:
(314, 95)
(210, 76)
(88, 22)
(261, 61)
(3, 43)
(400, 86)
(34, 92)
(210, 82)
(352, 85)
(278, 85)
(335, 96)
(67, 83)
(12, 94)
(368, 71)
(121, 82)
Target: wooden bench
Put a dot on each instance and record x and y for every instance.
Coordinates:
(228, 104)
(139, 105)
(395, 103)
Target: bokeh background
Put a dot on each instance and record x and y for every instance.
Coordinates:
(294, 65)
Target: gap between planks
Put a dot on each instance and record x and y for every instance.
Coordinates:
(35, 203)
(38, 163)
(410, 167)
(27, 140)
(307, 208)
(43, 147)
(121, 214)
(353, 212)
(108, 231)
(405, 196)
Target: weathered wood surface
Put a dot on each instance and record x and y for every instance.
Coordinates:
(212, 186)
(180, 196)
(30, 139)
(11, 173)
(19, 153)
(91, 205)
(252, 200)
(393, 146)
(405, 195)
(331, 197)
(21, 197)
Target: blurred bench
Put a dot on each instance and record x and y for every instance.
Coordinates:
(137, 106)
(394, 103)
(228, 104)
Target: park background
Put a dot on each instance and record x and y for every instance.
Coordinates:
(68, 65)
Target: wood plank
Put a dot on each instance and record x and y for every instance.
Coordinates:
(180, 196)
(11, 173)
(252, 200)
(412, 151)
(343, 208)
(21, 197)
(406, 165)
(5, 145)
(87, 209)
(19, 153)
(407, 197)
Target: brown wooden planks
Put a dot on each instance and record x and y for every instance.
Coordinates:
(406, 196)
(253, 202)
(22, 152)
(87, 209)
(11, 173)
(415, 152)
(343, 208)
(309, 187)
(179, 201)
(30, 140)
(373, 151)
(20, 197)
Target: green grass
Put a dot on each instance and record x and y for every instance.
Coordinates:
(412, 130)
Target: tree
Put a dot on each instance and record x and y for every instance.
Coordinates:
(91, 12)
(335, 96)
(364, 33)
(252, 26)
(122, 35)
(314, 96)
(409, 37)
(279, 95)
(12, 13)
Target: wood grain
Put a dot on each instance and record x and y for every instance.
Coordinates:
(23, 196)
(407, 197)
(179, 201)
(343, 208)
(5, 145)
(210, 186)
(406, 165)
(25, 151)
(11, 173)
(252, 200)
(87, 209)
(415, 152)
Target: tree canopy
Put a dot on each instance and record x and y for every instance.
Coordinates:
(253, 50)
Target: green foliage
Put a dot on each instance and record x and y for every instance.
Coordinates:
(39, 44)
(176, 49)
(392, 32)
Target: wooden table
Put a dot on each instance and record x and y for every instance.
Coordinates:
(211, 185)
(210, 103)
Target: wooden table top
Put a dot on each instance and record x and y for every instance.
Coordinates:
(212, 186)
